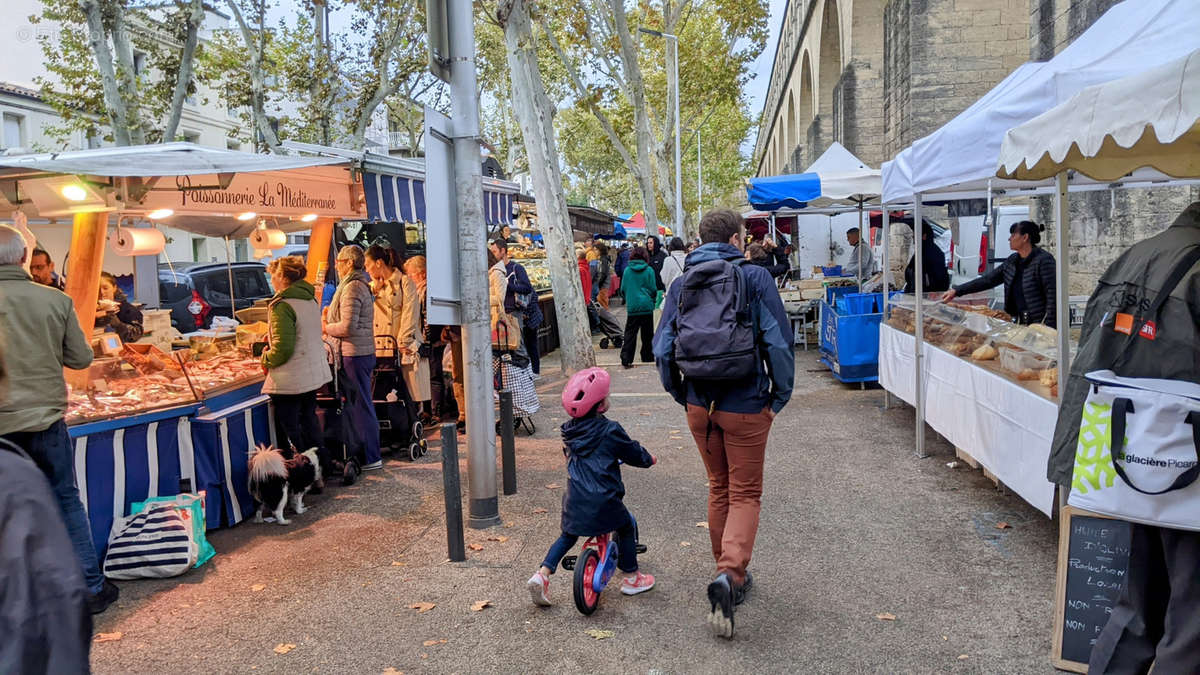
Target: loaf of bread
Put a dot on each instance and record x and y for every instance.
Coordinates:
(985, 353)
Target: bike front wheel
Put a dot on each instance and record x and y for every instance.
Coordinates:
(586, 597)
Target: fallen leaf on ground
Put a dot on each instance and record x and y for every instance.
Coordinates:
(1003, 526)
(430, 643)
(963, 657)
(392, 671)
(600, 634)
(886, 616)
(107, 637)
(500, 538)
(475, 547)
(946, 637)
(539, 510)
(552, 486)
(480, 605)
(424, 655)
(703, 523)
(422, 607)
(345, 496)
(284, 648)
(397, 563)
(258, 587)
(508, 525)
(685, 543)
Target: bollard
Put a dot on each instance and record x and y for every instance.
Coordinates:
(456, 547)
(508, 452)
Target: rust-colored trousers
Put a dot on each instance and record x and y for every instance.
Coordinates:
(602, 297)
(732, 450)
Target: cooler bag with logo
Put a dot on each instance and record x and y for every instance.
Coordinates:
(1136, 458)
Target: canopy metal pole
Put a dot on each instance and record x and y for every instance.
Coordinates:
(1061, 287)
(859, 246)
(772, 226)
(887, 395)
(919, 332)
(229, 269)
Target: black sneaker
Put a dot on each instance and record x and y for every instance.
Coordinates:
(720, 599)
(98, 602)
(739, 596)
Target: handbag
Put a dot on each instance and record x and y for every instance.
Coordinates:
(157, 543)
(506, 333)
(1137, 454)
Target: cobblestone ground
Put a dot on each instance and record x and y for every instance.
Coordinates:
(853, 528)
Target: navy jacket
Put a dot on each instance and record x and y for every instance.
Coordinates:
(518, 282)
(595, 447)
(773, 384)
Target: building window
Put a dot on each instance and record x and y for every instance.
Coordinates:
(191, 136)
(231, 144)
(93, 141)
(139, 62)
(198, 249)
(14, 130)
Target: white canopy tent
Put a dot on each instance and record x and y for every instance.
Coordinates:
(959, 160)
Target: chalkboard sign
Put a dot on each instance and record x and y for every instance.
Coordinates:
(1093, 557)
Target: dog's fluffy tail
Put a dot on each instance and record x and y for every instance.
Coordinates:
(266, 463)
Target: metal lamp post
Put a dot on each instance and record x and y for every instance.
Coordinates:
(678, 167)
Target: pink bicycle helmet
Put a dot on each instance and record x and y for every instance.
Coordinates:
(584, 390)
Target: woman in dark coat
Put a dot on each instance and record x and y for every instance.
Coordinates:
(114, 312)
(937, 277)
(1027, 275)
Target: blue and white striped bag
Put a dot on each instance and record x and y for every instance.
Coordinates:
(158, 542)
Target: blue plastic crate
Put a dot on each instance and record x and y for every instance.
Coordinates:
(853, 304)
(834, 292)
(832, 271)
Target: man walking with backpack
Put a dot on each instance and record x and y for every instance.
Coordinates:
(724, 351)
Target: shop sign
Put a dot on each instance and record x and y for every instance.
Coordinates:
(265, 194)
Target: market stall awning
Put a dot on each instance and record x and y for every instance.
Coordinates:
(394, 198)
(164, 159)
(1151, 119)
(961, 156)
(497, 208)
(836, 177)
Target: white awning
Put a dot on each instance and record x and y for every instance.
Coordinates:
(164, 159)
(1151, 119)
(961, 156)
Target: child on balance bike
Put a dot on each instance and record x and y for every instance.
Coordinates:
(594, 446)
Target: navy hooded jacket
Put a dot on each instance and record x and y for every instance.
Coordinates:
(594, 447)
(772, 386)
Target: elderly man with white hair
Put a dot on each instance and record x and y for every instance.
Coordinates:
(41, 335)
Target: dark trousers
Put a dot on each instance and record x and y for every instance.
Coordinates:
(53, 453)
(529, 339)
(439, 390)
(626, 549)
(1156, 618)
(296, 422)
(638, 323)
(360, 409)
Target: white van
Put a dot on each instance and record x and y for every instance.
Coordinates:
(979, 248)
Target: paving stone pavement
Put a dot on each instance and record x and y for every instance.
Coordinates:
(853, 526)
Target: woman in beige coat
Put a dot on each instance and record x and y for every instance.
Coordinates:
(398, 314)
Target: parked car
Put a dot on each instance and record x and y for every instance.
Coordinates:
(196, 292)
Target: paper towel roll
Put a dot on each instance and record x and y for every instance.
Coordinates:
(137, 241)
(269, 238)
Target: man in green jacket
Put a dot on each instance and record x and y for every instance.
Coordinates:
(640, 286)
(41, 335)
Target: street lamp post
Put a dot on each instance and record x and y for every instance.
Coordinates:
(674, 76)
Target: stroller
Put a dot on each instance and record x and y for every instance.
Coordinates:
(399, 418)
(613, 333)
(510, 368)
(337, 438)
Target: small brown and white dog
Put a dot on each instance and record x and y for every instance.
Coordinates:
(274, 477)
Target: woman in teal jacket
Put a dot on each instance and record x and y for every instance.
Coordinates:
(639, 286)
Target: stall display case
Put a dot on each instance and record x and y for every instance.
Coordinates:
(971, 329)
(539, 272)
(143, 379)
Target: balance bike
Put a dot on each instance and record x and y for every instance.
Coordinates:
(594, 566)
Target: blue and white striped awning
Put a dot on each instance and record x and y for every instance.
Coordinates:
(394, 198)
(399, 199)
(497, 208)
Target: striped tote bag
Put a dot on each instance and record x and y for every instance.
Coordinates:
(159, 542)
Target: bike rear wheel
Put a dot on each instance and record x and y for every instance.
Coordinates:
(586, 597)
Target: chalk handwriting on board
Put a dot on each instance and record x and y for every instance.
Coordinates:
(1097, 561)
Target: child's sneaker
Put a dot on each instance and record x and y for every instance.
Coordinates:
(539, 589)
(638, 583)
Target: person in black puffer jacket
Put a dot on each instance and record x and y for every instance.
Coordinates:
(1027, 275)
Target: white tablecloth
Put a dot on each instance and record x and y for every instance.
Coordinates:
(1005, 427)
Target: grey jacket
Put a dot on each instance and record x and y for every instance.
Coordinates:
(351, 316)
(1133, 281)
(40, 334)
